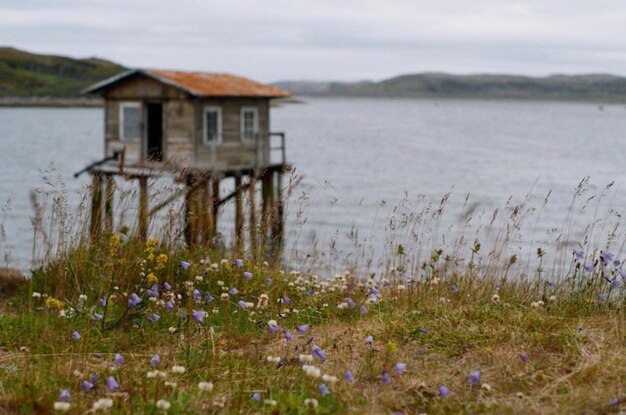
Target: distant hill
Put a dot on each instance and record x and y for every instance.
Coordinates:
(595, 87)
(24, 74)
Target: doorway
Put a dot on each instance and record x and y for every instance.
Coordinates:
(154, 131)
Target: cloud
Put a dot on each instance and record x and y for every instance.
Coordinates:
(280, 39)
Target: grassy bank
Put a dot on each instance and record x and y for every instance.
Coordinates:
(128, 327)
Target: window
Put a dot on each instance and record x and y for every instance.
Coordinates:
(130, 121)
(249, 123)
(212, 126)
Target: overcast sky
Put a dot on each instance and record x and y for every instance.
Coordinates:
(274, 40)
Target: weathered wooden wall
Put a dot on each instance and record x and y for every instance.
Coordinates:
(183, 127)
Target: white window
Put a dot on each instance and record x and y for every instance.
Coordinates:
(130, 121)
(249, 123)
(212, 133)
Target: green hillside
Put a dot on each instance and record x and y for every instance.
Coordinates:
(593, 87)
(24, 74)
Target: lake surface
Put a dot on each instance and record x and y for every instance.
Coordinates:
(369, 165)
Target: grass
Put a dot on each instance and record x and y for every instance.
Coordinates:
(540, 347)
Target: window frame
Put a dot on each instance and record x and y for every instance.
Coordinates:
(217, 109)
(255, 124)
(129, 104)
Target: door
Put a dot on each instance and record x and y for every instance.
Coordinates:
(154, 132)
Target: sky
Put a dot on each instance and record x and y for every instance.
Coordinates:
(345, 40)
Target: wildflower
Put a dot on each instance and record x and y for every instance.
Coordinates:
(273, 359)
(329, 378)
(155, 361)
(134, 300)
(423, 331)
(443, 391)
(579, 254)
(363, 310)
(205, 386)
(311, 292)
(151, 278)
(61, 406)
(519, 395)
(163, 404)
(348, 376)
(111, 384)
(179, 370)
(36, 295)
(400, 368)
(486, 387)
(197, 297)
(323, 390)
(474, 377)
(65, 396)
(311, 403)
(273, 327)
(369, 340)
(239, 263)
(312, 371)
(601, 297)
(256, 396)
(103, 403)
(153, 318)
(270, 402)
(351, 304)
(247, 275)
(588, 267)
(288, 336)
(167, 286)
(198, 315)
(184, 265)
(524, 357)
(552, 298)
(97, 316)
(268, 282)
(102, 302)
(118, 359)
(614, 402)
(87, 386)
(318, 352)
(495, 298)
(303, 328)
(616, 283)
(224, 296)
(75, 335)
(454, 289)
(386, 379)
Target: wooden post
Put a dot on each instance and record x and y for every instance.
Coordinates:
(278, 222)
(191, 212)
(215, 202)
(109, 192)
(238, 213)
(253, 225)
(142, 230)
(267, 192)
(205, 212)
(96, 205)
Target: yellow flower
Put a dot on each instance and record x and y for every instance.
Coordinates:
(161, 262)
(54, 303)
(152, 279)
(392, 346)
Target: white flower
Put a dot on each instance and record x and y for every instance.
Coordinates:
(220, 283)
(199, 278)
(520, 395)
(172, 330)
(156, 373)
(273, 359)
(486, 387)
(205, 386)
(62, 406)
(495, 298)
(329, 378)
(36, 295)
(272, 323)
(178, 369)
(312, 371)
(171, 384)
(82, 298)
(535, 304)
(401, 287)
(224, 296)
(552, 298)
(306, 358)
(103, 403)
(310, 403)
(163, 404)
(270, 402)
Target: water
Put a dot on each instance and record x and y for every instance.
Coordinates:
(358, 158)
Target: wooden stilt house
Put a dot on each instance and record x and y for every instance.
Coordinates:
(202, 127)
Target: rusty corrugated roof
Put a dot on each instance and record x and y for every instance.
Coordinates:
(201, 84)
(218, 84)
